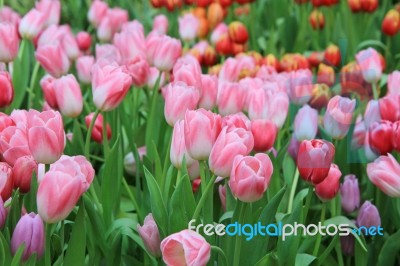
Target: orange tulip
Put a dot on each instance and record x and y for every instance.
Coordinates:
(238, 32)
(317, 19)
(215, 15)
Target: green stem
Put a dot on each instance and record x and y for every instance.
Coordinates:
(47, 258)
(95, 198)
(220, 252)
(308, 202)
(319, 236)
(132, 198)
(375, 91)
(32, 84)
(106, 148)
(89, 134)
(293, 190)
(204, 196)
(238, 242)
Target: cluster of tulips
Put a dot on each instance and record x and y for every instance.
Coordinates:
(115, 138)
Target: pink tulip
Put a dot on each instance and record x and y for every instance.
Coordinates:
(78, 167)
(6, 89)
(68, 42)
(231, 98)
(97, 12)
(389, 107)
(377, 132)
(49, 93)
(338, 116)
(139, 70)
(178, 150)
(23, 169)
(201, 131)
(230, 70)
(306, 123)
(394, 83)
(329, 187)
(238, 120)
(185, 248)
(130, 44)
(384, 173)
(13, 144)
(264, 133)
(188, 70)
(110, 84)
(370, 64)
(299, 86)
(5, 121)
(350, 194)
(53, 59)
(358, 138)
(372, 113)
(51, 9)
(97, 133)
(219, 31)
(84, 66)
(251, 85)
(250, 176)
(209, 90)
(178, 98)
(188, 27)
(68, 95)
(222, 196)
(314, 160)
(150, 235)
(163, 51)
(9, 42)
(32, 24)
(111, 23)
(46, 137)
(6, 181)
(160, 24)
(396, 135)
(29, 231)
(229, 144)
(57, 195)
(84, 40)
(10, 16)
(107, 54)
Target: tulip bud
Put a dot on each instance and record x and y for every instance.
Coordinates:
(389, 107)
(129, 160)
(231, 98)
(264, 133)
(300, 86)
(189, 25)
(379, 131)
(163, 52)
(314, 160)
(219, 31)
(6, 181)
(110, 84)
(215, 14)
(97, 133)
(23, 169)
(32, 24)
(29, 231)
(150, 235)
(84, 40)
(350, 194)
(9, 41)
(369, 5)
(347, 244)
(317, 19)
(210, 56)
(384, 173)
(332, 55)
(238, 32)
(139, 70)
(224, 45)
(368, 215)
(326, 75)
(188, 70)
(152, 78)
(160, 24)
(178, 146)
(370, 64)
(68, 95)
(391, 22)
(157, 3)
(355, 5)
(328, 188)
(320, 96)
(315, 58)
(53, 59)
(227, 146)
(306, 123)
(6, 89)
(338, 116)
(84, 66)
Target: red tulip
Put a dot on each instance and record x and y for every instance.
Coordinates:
(379, 131)
(329, 187)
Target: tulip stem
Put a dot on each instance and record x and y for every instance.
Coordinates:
(238, 242)
(106, 149)
(375, 90)
(308, 202)
(319, 236)
(47, 258)
(204, 196)
(293, 190)
(220, 252)
(89, 134)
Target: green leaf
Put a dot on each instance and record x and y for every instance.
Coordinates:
(269, 259)
(304, 259)
(387, 256)
(5, 256)
(158, 208)
(14, 213)
(76, 250)
(18, 255)
(369, 43)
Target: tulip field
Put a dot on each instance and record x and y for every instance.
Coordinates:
(200, 132)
